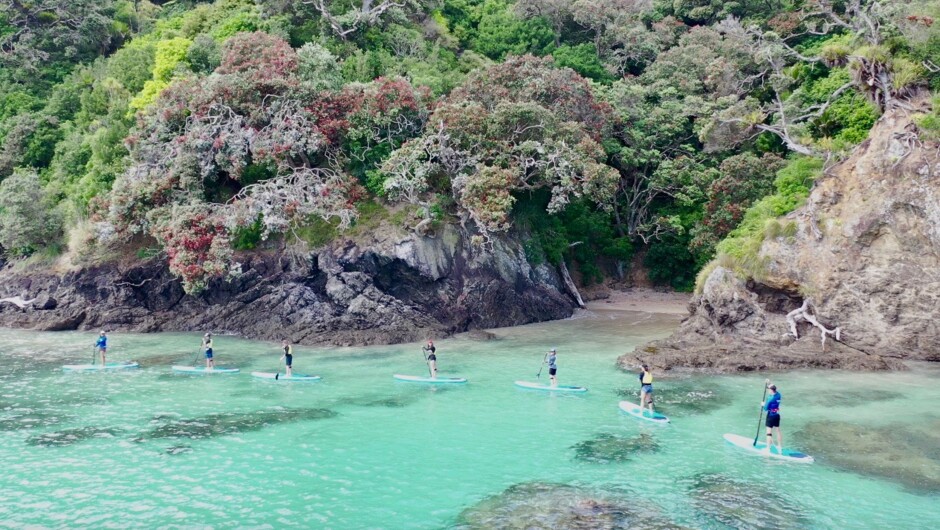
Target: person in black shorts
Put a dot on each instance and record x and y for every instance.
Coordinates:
(288, 356)
(772, 406)
(429, 351)
(552, 366)
(207, 347)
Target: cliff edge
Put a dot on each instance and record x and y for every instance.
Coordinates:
(860, 266)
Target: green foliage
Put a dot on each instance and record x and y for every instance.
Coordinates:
(500, 32)
(669, 262)
(27, 221)
(583, 59)
(929, 124)
(743, 244)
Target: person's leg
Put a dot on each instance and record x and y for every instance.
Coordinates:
(770, 431)
(289, 367)
(433, 369)
(554, 377)
(649, 399)
(779, 439)
(103, 359)
(642, 398)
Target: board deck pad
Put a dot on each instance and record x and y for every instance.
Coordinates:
(644, 414)
(557, 388)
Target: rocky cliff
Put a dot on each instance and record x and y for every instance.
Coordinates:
(864, 261)
(385, 287)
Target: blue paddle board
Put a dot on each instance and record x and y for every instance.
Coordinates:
(557, 388)
(203, 370)
(761, 449)
(644, 414)
(98, 367)
(284, 377)
(435, 381)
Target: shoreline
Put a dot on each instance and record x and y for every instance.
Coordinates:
(644, 300)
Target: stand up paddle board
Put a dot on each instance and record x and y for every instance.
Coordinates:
(558, 388)
(98, 367)
(760, 449)
(634, 410)
(437, 381)
(203, 370)
(284, 377)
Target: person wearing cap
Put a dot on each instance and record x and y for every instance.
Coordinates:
(772, 406)
(429, 351)
(101, 345)
(552, 366)
(207, 346)
(646, 387)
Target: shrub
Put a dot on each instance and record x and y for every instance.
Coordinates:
(27, 220)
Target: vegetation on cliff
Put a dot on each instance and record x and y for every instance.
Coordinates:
(599, 126)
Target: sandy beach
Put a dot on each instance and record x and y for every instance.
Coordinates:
(647, 300)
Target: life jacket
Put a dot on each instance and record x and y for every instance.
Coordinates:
(646, 378)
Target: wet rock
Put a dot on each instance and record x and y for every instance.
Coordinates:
(682, 398)
(609, 448)
(735, 503)
(71, 436)
(538, 505)
(905, 454)
(224, 423)
(853, 398)
(24, 419)
(387, 286)
(395, 402)
(178, 450)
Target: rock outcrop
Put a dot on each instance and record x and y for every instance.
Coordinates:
(387, 288)
(866, 253)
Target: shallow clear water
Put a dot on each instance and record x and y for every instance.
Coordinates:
(149, 448)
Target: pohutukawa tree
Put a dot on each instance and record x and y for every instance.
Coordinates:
(249, 144)
(522, 125)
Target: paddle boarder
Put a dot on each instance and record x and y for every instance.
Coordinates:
(207, 347)
(288, 356)
(772, 407)
(646, 387)
(101, 345)
(429, 351)
(552, 366)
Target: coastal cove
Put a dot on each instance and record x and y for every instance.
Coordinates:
(357, 449)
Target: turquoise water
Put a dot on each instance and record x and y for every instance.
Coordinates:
(149, 448)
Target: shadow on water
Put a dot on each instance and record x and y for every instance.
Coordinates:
(906, 454)
(545, 505)
(71, 436)
(231, 423)
(16, 419)
(608, 448)
(735, 503)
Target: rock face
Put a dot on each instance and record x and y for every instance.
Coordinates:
(866, 252)
(392, 287)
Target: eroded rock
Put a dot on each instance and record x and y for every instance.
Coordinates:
(608, 448)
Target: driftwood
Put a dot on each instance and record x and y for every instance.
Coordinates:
(18, 301)
(806, 313)
(569, 283)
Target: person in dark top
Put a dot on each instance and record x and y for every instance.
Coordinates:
(101, 345)
(288, 356)
(429, 351)
(772, 406)
(207, 347)
(646, 387)
(553, 366)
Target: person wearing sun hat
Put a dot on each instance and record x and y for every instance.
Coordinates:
(552, 365)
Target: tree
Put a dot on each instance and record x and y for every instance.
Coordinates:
(27, 220)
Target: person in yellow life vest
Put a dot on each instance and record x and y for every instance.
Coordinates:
(288, 356)
(646, 387)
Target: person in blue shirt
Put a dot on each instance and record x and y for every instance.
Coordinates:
(101, 346)
(772, 407)
(552, 366)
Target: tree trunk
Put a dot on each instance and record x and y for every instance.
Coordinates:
(569, 283)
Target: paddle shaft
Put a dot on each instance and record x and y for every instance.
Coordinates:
(545, 358)
(761, 416)
(94, 354)
(424, 353)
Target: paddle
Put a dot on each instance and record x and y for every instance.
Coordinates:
(545, 358)
(94, 354)
(424, 353)
(759, 418)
